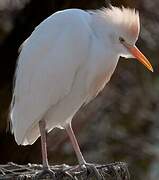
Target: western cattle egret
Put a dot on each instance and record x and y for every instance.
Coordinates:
(65, 63)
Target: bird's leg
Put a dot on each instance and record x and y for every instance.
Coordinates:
(46, 169)
(42, 127)
(82, 162)
(75, 145)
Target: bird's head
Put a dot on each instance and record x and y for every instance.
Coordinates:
(124, 32)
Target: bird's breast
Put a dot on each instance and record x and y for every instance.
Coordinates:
(100, 78)
(97, 84)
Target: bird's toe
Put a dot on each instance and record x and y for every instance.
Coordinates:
(45, 174)
(92, 171)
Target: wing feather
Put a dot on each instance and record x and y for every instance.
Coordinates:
(46, 68)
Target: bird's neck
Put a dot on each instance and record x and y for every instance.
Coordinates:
(103, 29)
(103, 58)
(102, 63)
(104, 42)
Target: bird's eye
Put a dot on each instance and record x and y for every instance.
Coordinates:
(121, 39)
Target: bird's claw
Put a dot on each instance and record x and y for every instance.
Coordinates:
(61, 174)
(92, 171)
(45, 173)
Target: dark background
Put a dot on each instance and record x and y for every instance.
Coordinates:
(121, 124)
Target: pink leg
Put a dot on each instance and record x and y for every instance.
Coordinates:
(46, 170)
(82, 162)
(75, 145)
(42, 127)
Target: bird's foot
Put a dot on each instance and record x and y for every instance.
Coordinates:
(92, 171)
(46, 173)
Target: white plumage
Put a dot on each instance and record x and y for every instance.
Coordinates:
(65, 62)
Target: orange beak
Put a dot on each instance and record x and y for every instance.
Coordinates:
(139, 56)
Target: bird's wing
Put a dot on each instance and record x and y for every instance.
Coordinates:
(21, 46)
(45, 72)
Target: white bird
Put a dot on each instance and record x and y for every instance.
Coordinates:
(65, 63)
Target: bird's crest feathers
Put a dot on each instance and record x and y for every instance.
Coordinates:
(125, 17)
